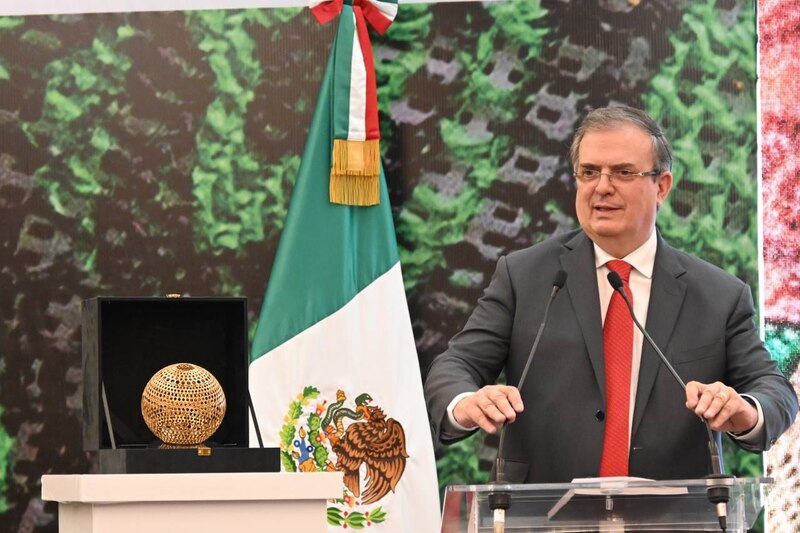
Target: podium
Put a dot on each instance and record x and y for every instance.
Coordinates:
(615, 504)
(192, 503)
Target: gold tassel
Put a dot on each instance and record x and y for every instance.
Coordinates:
(355, 190)
(355, 172)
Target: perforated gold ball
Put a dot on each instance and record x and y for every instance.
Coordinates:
(183, 404)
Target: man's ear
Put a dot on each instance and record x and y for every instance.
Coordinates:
(664, 183)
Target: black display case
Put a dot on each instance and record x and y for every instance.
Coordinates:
(127, 340)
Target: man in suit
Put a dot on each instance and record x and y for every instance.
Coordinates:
(597, 400)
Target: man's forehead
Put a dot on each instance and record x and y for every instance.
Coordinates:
(618, 151)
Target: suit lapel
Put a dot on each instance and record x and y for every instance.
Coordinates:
(666, 297)
(578, 263)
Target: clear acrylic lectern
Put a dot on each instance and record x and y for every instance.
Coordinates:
(614, 504)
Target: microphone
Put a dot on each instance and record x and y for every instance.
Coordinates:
(718, 494)
(499, 502)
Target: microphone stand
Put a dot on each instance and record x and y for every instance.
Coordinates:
(718, 492)
(500, 501)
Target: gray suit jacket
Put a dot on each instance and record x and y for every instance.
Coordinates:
(700, 316)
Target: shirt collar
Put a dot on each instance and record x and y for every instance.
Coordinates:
(643, 258)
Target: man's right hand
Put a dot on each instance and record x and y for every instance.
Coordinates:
(489, 408)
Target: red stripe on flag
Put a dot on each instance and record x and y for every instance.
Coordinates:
(374, 16)
(371, 119)
(327, 11)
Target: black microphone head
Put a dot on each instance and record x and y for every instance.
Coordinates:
(615, 280)
(560, 279)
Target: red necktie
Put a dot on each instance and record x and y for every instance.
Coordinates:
(618, 348)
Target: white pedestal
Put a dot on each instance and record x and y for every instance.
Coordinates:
(192, 503)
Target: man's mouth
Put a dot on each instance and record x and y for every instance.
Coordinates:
(605, 208)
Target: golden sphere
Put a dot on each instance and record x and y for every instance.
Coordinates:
(183, 404)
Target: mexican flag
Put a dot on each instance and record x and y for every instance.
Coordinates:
(334, 375)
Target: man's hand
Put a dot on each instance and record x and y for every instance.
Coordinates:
(722, 406)
(489, 408)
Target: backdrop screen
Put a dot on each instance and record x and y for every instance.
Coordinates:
(151, 153)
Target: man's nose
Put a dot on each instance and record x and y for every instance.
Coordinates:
(604, 184)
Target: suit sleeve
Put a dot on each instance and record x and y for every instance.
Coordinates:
(751, 370)
(475, 356)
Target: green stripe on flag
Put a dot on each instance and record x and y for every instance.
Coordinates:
(343, 61)
(327, 253)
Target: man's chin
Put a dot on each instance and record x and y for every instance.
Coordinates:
(605, 229)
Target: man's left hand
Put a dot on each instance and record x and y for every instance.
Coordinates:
(722, 406)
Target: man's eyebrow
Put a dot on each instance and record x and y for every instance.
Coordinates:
(618, 166)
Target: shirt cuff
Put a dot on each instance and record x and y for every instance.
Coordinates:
(452, 419)
(755, 435)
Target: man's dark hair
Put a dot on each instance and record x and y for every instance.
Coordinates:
(607, 118)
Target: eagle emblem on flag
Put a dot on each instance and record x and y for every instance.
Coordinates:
(351, 436)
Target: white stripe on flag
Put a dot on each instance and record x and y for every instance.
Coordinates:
(388, 9)
(357, 128)
(367, 346)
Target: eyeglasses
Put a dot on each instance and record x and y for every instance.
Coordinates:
(591, 175)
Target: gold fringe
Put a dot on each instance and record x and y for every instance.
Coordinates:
(355, 190)
(356, 158)
(355, 172)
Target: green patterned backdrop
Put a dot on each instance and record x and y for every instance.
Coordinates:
(153, 153)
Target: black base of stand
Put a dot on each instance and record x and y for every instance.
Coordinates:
(187, 460)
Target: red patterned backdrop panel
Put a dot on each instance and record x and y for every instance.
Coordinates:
(779, 72)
